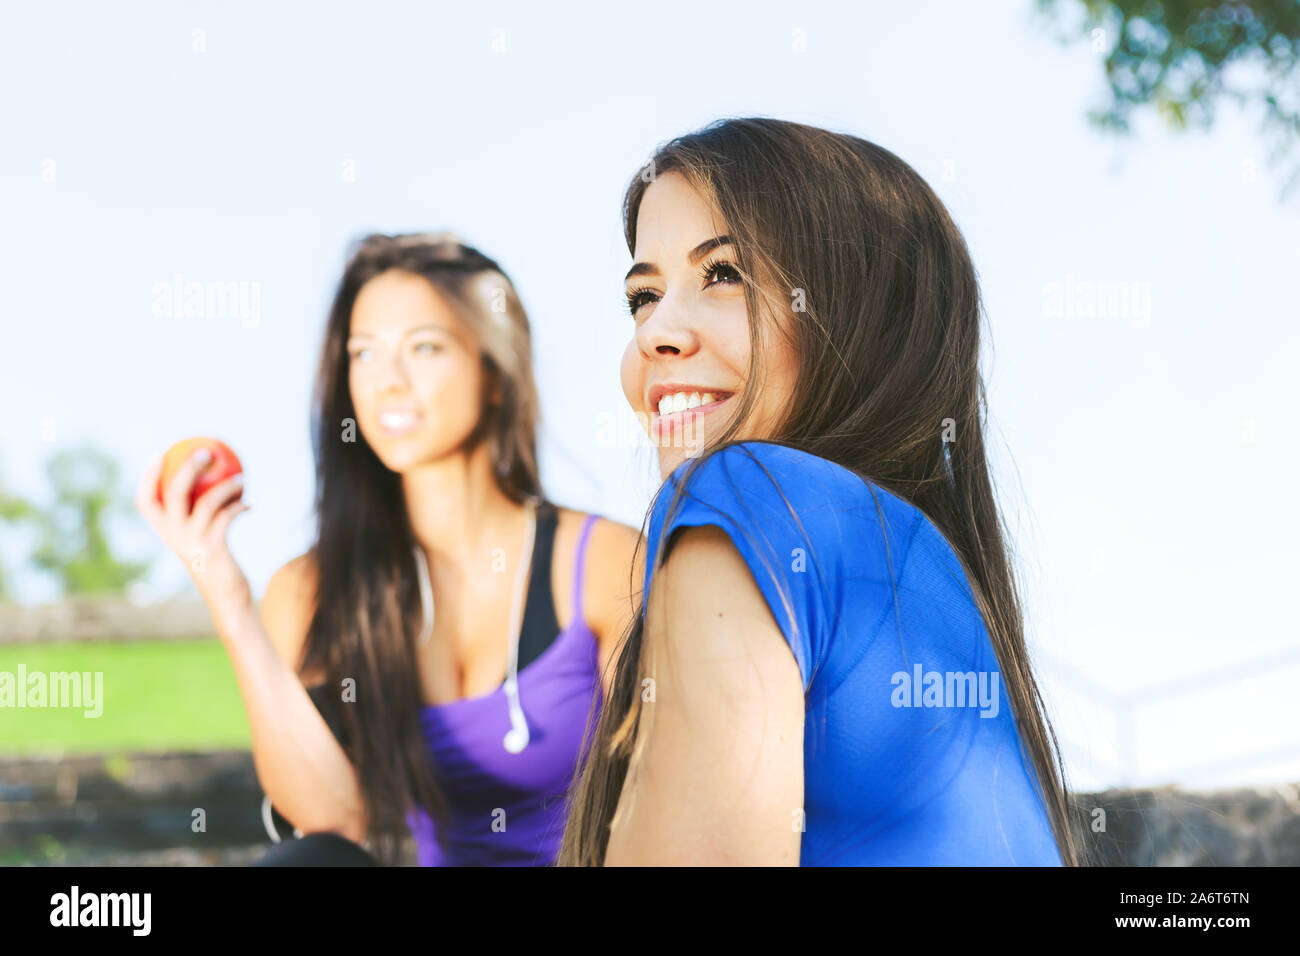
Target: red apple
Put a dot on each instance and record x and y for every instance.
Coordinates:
(223, 464)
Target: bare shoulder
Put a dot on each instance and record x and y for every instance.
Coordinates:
(704, 578)
(288, 605)
(613, 571)
(704, 566)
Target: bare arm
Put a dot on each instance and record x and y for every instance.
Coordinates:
(719, 779)
(299, 763)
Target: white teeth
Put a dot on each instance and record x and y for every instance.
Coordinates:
(396, 419)
(680, 401)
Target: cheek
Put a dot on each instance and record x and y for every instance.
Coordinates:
(452, 390)
(363, 402)
(781, 372)
(632, 375)
(729, 340)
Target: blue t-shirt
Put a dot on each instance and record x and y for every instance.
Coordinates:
(911, 753)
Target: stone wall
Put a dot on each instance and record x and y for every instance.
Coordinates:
(101, 809)
(140, 809)
(104, 619)
(1257, 826)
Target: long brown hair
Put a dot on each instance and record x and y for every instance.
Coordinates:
(851, 244)
(368, 612)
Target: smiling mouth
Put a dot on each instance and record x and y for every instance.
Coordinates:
(397, 423)
(683, 420)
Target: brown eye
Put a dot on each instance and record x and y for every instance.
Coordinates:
(639, 297)
(723, 273)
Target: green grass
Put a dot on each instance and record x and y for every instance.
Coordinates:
(157, 695)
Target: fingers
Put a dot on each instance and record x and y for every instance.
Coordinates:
(197, 536)
(226, 515)
(211, 500)
(176, 496)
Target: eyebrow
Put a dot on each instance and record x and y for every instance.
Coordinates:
(695, 255)
(419, 328)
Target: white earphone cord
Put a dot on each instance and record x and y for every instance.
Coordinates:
(516, 738)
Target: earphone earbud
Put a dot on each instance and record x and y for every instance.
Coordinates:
(516, 738)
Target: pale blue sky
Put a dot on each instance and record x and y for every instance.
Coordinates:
(1146, 458)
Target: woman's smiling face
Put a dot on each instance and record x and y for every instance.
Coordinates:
(414, 371)
(687, 367)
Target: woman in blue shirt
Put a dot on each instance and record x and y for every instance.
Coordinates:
(829, 665)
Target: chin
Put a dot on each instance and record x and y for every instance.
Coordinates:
(671, 458)
(400, 456)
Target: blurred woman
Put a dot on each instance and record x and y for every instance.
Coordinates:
(430, 665)
(829, 664)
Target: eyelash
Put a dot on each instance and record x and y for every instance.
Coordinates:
(710, 266)
(354, 355)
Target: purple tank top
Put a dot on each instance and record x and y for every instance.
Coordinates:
(508, 809)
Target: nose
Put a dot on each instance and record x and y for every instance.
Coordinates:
(668, 331)
(388, 371)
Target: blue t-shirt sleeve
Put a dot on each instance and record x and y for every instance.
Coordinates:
(768, 504)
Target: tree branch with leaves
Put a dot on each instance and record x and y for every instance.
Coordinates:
(1183, 57)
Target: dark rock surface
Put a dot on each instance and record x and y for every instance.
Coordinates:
(181, 809)
(140, 809)
(1257, 826)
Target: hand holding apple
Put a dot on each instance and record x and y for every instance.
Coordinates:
(222, 464)
(189, 495)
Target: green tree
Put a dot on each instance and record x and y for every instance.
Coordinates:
(13, 510)
(1182, 57)
(72, 542)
